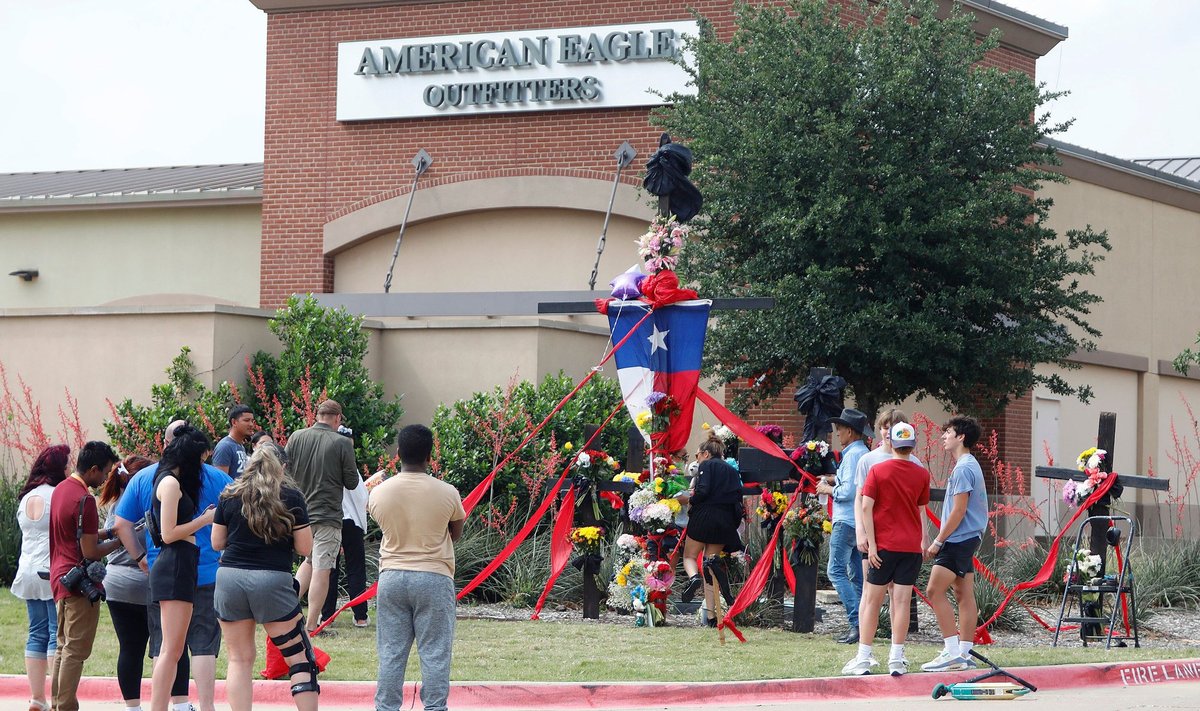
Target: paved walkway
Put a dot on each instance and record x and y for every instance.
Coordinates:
(1161, 697)
(1165, 684)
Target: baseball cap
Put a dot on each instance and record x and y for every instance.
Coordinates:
(903, 435)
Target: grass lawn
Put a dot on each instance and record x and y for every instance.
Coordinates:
(487, 650)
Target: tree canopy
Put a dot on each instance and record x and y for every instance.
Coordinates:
(876, 179)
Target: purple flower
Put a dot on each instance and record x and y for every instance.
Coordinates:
(1069, 493)
(654, 397)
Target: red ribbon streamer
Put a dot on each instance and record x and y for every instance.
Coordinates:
(477, 494)
(560, 547)
(532, 523)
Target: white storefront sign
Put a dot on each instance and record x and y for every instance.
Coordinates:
(499, 72)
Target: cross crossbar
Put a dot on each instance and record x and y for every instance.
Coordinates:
(1135, 481)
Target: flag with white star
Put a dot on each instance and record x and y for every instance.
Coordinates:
(662, 356)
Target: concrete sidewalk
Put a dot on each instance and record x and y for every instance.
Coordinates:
(97, 692)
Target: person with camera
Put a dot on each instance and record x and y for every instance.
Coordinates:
(32, 583)
(76, 547)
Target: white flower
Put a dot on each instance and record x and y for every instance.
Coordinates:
(627, 542)
(583, 460)
(1093, 461)
(723, 432)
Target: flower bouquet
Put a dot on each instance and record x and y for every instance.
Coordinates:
(589, 546)
(661, 244)
(807, 525)
(1088, 462)
(660, 575)
(595, 465)
(771, 507)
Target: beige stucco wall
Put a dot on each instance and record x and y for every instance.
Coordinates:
(135, 255)
(495, 250)
(112, 353)
(1151, 296)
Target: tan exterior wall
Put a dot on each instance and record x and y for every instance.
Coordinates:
(114, 353)
(195, 255)
(497, 250)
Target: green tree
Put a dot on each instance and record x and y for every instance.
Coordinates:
(876, 179)
(322, 357)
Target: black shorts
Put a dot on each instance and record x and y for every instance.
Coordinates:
(173, 575)
(898, 568)
(958, 557)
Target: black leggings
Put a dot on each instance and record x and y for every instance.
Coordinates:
(133, 636)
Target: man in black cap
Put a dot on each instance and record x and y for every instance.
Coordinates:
(845, 568)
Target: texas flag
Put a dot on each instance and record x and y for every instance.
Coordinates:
(663, 355)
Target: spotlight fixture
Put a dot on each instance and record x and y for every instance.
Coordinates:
(25, 274)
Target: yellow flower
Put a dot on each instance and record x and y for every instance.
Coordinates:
(658, 484)
(621, 579)
(643, 418)
(706, 426)
(568, 446)
(827, 526)
(671, 504)
(812, 446)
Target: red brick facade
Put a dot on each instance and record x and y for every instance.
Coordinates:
(317, 169)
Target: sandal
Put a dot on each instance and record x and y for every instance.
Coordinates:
(35, 705)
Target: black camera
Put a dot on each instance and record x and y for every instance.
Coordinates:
(84, 579)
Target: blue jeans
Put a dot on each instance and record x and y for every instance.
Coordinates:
(43, 629)
(414, 606)
(845, 569)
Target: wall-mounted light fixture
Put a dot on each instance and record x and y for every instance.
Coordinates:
(25, 274)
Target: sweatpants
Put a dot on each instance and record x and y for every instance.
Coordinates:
(414, 606)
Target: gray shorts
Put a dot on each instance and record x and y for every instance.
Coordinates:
(260, 595)
(204, 634)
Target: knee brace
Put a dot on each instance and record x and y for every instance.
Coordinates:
(297, 641)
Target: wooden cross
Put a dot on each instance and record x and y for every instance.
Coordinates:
(1105, 439)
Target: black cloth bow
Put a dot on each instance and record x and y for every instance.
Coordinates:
(666, 174)
(819, 399)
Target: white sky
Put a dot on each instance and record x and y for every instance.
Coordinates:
(128, 83)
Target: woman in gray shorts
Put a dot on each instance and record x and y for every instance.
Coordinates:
(260, 522)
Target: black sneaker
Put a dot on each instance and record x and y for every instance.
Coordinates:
(692, 587)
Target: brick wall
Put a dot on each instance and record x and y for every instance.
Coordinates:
(317, 169)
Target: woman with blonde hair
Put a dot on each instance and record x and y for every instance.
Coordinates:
(260, 522)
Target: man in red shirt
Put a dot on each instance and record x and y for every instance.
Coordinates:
(895, 492)
(74, 539)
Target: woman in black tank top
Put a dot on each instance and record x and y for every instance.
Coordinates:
(173, 575)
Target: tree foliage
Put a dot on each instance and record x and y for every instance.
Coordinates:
(875, 179)
(321, 357)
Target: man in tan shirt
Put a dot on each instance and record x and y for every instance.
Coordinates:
(420, 518)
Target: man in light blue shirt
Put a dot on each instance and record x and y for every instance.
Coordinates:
(845, 569)
(204, 633)
(964, 516)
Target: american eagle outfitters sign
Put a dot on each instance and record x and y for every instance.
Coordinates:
(537, 70)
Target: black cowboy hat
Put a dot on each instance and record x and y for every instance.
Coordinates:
(855, 420)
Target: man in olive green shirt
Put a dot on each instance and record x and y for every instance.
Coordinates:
(321, 460)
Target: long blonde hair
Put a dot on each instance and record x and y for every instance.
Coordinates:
(259, 488)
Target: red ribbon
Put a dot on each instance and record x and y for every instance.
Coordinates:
(560, 547)
(475, 496)
(532, 523)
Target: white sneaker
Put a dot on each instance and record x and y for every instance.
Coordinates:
(945, 662)
(858, 667)
(897, 667)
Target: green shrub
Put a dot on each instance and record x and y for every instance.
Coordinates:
(476, 433)
(10, 531)
(321, 357)
(1168, 576)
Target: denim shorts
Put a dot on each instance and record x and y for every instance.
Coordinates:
(43, 629)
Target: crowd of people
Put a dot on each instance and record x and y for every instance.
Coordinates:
(199, 554)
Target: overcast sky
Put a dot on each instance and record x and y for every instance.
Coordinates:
(129, 83)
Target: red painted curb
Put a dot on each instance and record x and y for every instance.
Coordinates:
(614, 695)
